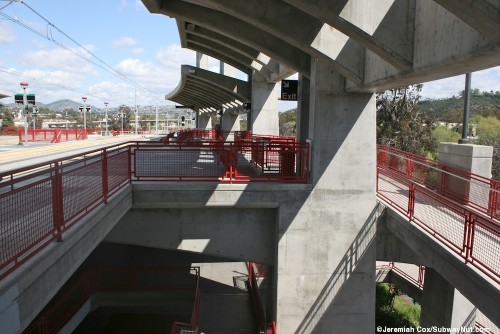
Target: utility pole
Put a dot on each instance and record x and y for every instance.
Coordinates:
(156, 120)
(84, 98)
(465, 123)
(25, 111)
(106, 119)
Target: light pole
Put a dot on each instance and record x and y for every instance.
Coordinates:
(66, 112)
(106, 119)
(84, 98)
(121, 116)
(136, 120)
(25, 111)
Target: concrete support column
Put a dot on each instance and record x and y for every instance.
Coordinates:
(442, 304)
(227, 70)
(474, 158)
(326, 253)
(204, 121)
(303, 108)
(230, 121)
(264, 115)
(201, 61)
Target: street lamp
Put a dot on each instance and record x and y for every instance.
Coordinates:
(122, 116)
(106, 119)
(25, 110)
(66, 112)
(84, 98)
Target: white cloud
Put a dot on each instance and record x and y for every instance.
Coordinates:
(137, 51)
(8, 33)
(60, 59)
(124, 42)
(484, 80)
(173, 56)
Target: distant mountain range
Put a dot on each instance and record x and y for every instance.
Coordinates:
(59, 106)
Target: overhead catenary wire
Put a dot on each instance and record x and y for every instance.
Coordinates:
(100, 62)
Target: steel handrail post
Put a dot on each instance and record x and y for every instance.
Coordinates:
(411, 200)
(409, 165)
(104, 171)
(57, 201)
(492, 199)
(421, 275)
(470, 237)
(129, 166)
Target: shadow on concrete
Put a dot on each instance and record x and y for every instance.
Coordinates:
(342, 273)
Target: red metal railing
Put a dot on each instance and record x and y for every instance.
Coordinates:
(221, 162)
(412, 273)
(416, 274)
(464, 229)
(467, 188)
(57, 314)
(52, 135)
(38, 204)
(268, 327)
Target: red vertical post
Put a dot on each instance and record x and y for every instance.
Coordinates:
(493, 198)
(470, 222)
(104, 171)
(129, 163)
(409, 166)
(57, 202)
(411, 201)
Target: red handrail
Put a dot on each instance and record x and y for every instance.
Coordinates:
(268, 327)
(464, 229)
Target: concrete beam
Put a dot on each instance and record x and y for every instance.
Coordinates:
(330, 16)
(218, 55)
(203, 230)
(274, 17)
(481, 15)
(230, 44)
(227, 25)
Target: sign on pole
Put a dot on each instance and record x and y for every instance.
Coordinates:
(289, 90)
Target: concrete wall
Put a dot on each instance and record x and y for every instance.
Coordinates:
(240, 234)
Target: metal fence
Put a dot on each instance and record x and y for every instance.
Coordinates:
(52, 135)
(39, 203)
(463, 222)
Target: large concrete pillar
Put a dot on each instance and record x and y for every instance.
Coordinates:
(473, 158)
(264, 115)
(230, 121)
(442, 304)
(201, 60)
(204, 121)
(303, 108)
(326, 257)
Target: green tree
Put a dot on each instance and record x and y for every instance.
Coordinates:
(401, 124)
(288, 123)
(7, 116)
(442, 134)
(488, 133)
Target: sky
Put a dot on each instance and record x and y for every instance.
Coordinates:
(120, 38)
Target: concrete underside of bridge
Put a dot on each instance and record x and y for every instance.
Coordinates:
(175, 225)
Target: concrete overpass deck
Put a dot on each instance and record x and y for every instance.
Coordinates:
(198, 217)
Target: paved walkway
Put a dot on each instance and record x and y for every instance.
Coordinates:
(14, 155)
